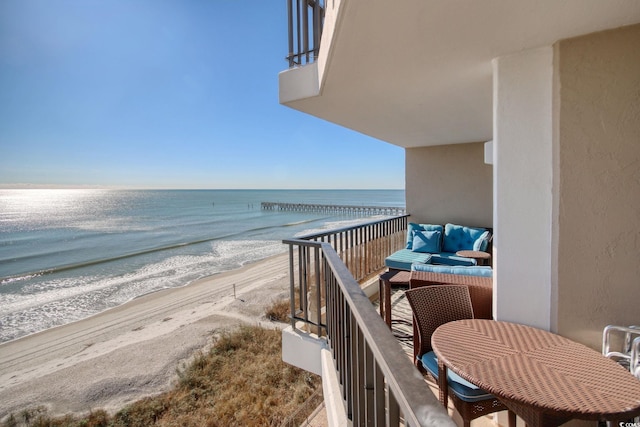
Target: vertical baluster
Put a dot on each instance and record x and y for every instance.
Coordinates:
(367, 248)
(298, 31)
(305, 289)
(362, 251)
(356, 254)
(350, 246)
(330, 304)
(378, 239)
(292, 291)
(348, 350)
(305, 31)
(379, 395)
(301, 251)
(344, 337)
(318, 300)
(290, 39)
(355, 384)
(369, 384)
(393, 410)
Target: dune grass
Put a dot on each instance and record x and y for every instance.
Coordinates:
(240, 381)
(279, 311)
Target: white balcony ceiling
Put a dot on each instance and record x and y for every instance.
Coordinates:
(418, 72)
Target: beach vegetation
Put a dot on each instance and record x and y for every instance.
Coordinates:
(279, 311)
(240, 381)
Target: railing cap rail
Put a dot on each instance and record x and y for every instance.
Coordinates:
(348, 228)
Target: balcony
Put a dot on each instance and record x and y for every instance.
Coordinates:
(306, 19)
(537, 193)
(336, 331)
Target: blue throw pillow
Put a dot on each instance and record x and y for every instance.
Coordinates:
(413, 227)
(426, 241)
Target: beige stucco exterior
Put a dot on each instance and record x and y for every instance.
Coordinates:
(523, 187)
(566, 185)
(598, 182)
(449, 183)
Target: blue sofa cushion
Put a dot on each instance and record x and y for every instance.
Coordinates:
(460, 238)
(426, 241)
(484, 271)
(462, 388)
(482, 242)
(413, 227)
(402, 259)
(450, 258)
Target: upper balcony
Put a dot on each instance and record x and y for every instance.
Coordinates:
(306, 19)
(419, 73)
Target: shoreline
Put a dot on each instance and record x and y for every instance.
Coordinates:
(133, 350)
(206, 278)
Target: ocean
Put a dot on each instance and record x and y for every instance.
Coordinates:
(68, 254)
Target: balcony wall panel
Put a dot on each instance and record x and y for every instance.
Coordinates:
(449, 183)
(599, 183)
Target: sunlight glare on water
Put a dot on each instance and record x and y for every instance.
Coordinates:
(47, 208)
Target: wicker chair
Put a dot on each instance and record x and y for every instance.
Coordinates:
(434, 306)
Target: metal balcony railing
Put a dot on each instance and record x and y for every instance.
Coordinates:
(379, 384)
(362, 250)
(306, 19)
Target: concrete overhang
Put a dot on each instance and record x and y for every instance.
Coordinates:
(418, 72)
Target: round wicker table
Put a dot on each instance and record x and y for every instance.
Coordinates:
(544, 378)
(480, 256)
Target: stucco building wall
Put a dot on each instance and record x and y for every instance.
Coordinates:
(449, 183)
(598, 138)
(523, 188)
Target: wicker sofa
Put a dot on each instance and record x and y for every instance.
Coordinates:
(437, 244)
(479, 280)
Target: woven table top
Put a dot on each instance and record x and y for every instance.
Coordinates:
(474, 254)
(543, 377)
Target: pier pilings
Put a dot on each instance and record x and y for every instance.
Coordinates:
(341, 209)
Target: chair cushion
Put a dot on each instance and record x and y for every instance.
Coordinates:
(450, 258)
(484, 271)
(412, 227)
(426, 241)
(402, 259)
(458, 385)
(461, 238)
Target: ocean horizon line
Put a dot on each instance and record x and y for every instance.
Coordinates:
(135, 188)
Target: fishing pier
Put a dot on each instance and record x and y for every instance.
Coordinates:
(341, 209)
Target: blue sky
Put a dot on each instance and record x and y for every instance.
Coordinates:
(165, 94)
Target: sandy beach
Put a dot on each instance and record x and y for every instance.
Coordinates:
(132, 351)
